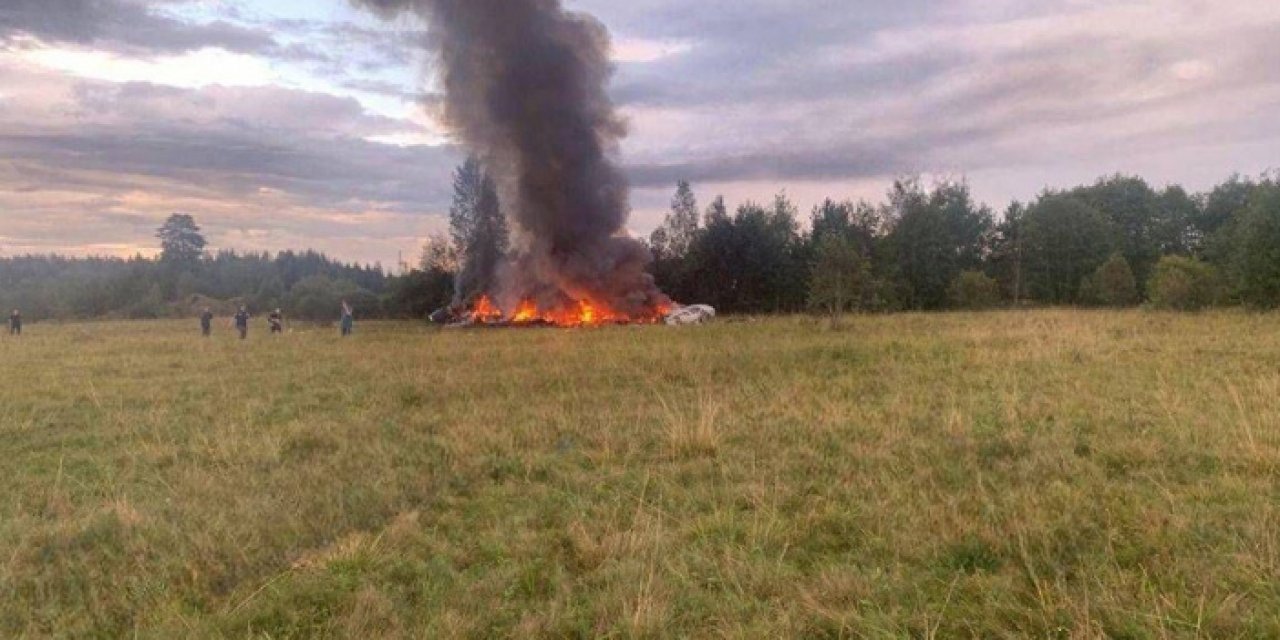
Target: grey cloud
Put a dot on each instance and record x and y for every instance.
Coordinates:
(812, 90)
(758, 50)
(776, 98)
(235, 141)
(867, 158)
(348, 54)
(334, 174)
(123, 24)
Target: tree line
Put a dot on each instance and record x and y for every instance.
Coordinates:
(1118, 242)
(186, 278)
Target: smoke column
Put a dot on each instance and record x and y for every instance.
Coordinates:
(525, 89)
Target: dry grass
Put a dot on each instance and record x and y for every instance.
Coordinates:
(1049, 474)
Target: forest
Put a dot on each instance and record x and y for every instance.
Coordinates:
(309, 285)
(1118, 242)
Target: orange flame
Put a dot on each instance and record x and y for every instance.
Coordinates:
(526, 312)
(486, 311)
(583, 313)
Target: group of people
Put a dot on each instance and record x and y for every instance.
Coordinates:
(241, 320)
(275, 320)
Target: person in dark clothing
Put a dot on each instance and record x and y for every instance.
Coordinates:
(206, 322)
(348, 319)
(15, 323)
(242, 322)
(276, 319)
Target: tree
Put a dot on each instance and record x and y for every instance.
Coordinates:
(180, 240)
(1216, 214)
(1112, 285)
(1184, 284)
(839, 276)
(1257, 249)
(419, 293)
(149, 306)
(478, 229)
(660, 245)
(64, 288)
(793, 274)
(1174, 231)
(717, 211)
(672, 242)
(750, 262)
(320, 297)
(1008, 252)
(830, 218)
(438, 254)
(1065, 241)
(680, 228)
(934, 237)
(974, 290)
(860, 223)
(468, 182)
(270, 294)
(1138, 220)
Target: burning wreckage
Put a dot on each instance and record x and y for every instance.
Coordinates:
(525, 92)
(583, 314)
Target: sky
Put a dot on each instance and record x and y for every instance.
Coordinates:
(292, 124)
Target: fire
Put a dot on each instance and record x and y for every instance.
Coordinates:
(526, 312)
(486, 311)
(583, 313)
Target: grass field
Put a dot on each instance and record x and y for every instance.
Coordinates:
(1052, 474)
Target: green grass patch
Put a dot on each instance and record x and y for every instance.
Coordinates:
(1044, 474)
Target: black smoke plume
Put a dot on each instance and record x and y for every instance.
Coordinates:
(525, 89)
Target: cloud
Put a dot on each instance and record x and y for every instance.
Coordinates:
(740, 95)
(123, 25)
(820, 90)
(290, 162)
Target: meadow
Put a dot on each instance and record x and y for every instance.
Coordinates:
(1047, 474)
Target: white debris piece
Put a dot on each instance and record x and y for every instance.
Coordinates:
(691, 314)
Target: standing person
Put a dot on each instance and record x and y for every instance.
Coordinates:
(206, 322)
(242, 322)
(15, 323)
(276, 319)
(348, 319)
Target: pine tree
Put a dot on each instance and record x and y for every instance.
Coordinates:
(478, 229)
(180, 240)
